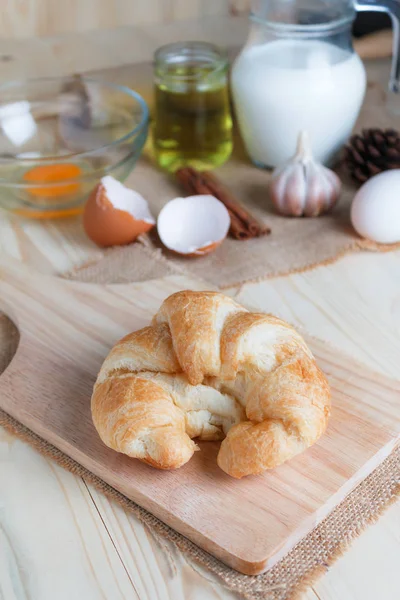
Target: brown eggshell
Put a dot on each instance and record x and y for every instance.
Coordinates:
(108, 226)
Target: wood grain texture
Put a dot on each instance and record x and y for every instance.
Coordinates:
(52, 375)
(29, 18)
(30, 533)
(61, 539)
(375, 45)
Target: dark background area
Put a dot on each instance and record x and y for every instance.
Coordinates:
(368, 22)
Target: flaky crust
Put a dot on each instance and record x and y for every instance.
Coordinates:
(207, 368)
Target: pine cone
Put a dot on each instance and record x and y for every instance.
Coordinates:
(374, 151)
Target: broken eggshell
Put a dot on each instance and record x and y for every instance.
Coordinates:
(193, 226)
(115, 215)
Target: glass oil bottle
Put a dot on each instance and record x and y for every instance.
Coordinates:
(192, 122)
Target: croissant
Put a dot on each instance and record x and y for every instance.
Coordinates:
(207, 368)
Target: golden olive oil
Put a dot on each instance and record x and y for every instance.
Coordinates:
(193, 124)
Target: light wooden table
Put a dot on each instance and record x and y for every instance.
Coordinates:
(62, 540)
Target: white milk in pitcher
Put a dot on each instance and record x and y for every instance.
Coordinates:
(283, 87)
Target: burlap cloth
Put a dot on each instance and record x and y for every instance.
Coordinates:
(293, 574)
(294, 245)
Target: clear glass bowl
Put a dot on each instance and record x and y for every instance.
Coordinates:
(59, 136)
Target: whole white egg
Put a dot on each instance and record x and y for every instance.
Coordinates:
(375, 211)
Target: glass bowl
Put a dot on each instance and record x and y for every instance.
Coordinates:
(59, 136)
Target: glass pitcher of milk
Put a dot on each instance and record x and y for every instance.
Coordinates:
(298, 71)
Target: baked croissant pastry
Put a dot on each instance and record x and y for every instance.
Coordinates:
(207, 368)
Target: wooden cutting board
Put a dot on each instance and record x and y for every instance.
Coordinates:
(67, 328)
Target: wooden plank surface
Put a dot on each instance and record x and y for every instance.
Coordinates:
(67, 329)
(28, 18)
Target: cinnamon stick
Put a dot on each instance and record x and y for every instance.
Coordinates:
(243, 225)
(255, 227)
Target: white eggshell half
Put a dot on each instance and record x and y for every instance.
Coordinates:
(375, 211)
(127, 200)
(188, 225)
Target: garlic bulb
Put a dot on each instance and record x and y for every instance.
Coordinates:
(303, 187)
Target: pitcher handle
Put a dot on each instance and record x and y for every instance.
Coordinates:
(391, 7)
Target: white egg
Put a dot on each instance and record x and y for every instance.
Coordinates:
(375, 211)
